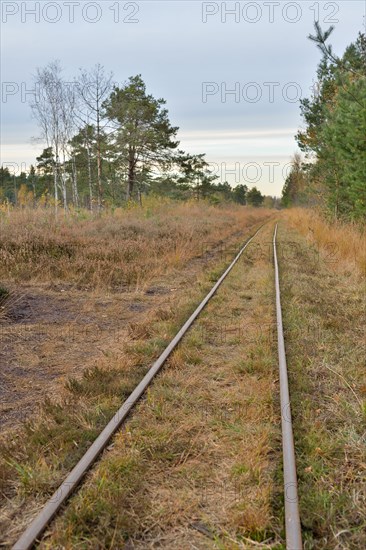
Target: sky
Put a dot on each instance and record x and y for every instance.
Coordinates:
(232, 73)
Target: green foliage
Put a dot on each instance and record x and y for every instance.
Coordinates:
(343, 158)
(334, 139)
(295, 191)
(144, 136)
(255, 197)
(240, 194)
(139, 157)
(7, 185)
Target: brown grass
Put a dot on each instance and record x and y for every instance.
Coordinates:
(324, 322)
(341, 245)
(63, 307)
(124, 248)
(198, 465)
(199, 461)
(195, 467)
(35, 458)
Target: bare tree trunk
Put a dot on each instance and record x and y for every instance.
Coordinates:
(75, 191)
(63, 182)
(99, 160)
(90, 178)
(63, 189)
(54, 111)
(99, 169)
(55, 182)
(95, 87)
(131, 173)
(55, 188)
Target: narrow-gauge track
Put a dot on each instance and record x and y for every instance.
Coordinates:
(293, 532)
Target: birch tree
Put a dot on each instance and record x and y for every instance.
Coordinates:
(93, 87)
(53, 108)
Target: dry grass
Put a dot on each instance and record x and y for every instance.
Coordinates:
(325, 336)
(196, 466)
(35, 459)
(124, 248)
(49, 335)
(342, 245)
(70, 298)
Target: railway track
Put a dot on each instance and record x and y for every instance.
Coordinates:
(70, 484)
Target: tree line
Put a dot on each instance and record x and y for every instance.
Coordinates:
(33, 190)
(331, 171)
(107, 145)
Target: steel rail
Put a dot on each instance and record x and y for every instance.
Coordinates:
(40, 522)
(292, 516)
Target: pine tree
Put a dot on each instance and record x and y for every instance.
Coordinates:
(143, 134)
(255, 197)
(335, 135)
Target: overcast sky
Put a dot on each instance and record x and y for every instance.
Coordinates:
(192, 54)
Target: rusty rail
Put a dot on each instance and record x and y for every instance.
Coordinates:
(292, 516)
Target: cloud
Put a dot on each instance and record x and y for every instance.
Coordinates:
(175, 51)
